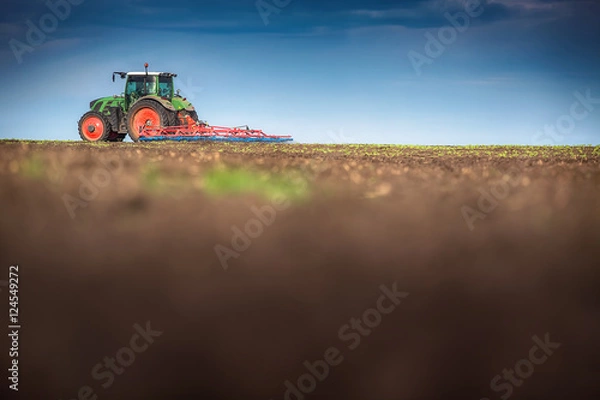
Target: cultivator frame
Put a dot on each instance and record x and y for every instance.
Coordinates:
(199, 132)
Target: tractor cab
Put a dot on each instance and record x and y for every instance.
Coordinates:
(140, 84)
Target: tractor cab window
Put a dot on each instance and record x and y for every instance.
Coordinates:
(165, 87)
(141, 85)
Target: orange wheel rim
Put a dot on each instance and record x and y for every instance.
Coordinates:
(93, 128)
(145, 117)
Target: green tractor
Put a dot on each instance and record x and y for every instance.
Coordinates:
(149, 100)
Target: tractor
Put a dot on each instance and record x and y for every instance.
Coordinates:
(149, 100)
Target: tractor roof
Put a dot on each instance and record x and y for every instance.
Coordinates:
(152, 73)
(143, 73)
(124, 75)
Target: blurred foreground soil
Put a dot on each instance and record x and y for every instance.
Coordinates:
(126, 253)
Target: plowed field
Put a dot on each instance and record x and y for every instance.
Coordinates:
(235, 271)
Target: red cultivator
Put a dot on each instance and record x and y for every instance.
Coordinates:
(196, 132)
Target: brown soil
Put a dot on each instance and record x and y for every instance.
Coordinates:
(143, 249)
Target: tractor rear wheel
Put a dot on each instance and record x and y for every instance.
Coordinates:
(146, 113)
(93, 127)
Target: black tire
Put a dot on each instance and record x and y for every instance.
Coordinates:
(164, 116)
(93, 127)
(174, 119)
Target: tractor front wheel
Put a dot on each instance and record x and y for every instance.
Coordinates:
(93, 127)
(146, 113)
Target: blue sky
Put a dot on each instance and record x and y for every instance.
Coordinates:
(323, 71)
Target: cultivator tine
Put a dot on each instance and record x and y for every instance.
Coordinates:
(201, 132)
